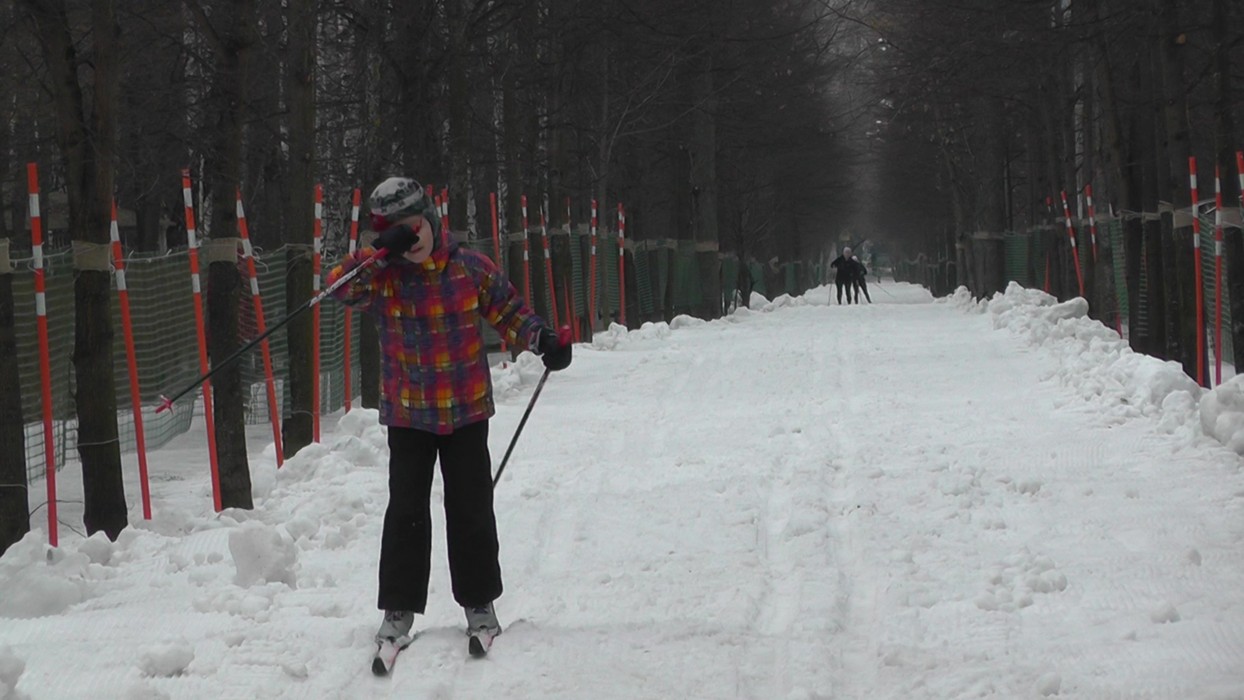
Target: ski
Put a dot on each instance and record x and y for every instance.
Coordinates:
(386, 654)
(480, 642)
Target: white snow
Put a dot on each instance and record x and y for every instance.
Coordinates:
(909, 499)
(11, 669)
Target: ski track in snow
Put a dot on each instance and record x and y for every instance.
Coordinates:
(880, 501)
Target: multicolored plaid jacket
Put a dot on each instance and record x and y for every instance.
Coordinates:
(435, 369)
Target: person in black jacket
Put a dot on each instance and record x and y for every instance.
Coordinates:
(843, 278)
(860, 281)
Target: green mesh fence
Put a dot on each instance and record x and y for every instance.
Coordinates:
(729, 277)
(1211, 286)
(607, 276)
(758, 278)
(1114, 233)
(1018, 251)
(688, 290)
(668, 278)
(165, 346)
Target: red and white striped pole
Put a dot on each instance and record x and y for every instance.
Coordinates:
(45, 354)
(1071, 236)
(496, 241)
(1217, 276)
(352, 246)
(261, 327)
(621, 263)
(208, 416)
(1092, 217)
(316, 252)
(131, 361)
(526, 255)
(1200, 284)
(548, 262)
(591, 285)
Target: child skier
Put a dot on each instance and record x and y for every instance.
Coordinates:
(428, 297)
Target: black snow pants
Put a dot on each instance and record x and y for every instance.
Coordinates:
(470, 524)
(843, 284)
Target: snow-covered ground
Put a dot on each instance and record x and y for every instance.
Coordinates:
(910, 499)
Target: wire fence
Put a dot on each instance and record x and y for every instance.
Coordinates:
(1040, 257)
(663, 278)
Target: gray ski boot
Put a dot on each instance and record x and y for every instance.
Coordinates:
(482, 628)
(396, 627)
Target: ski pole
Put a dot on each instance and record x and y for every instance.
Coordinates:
(564, 335)
(513, 441)
(167, 403)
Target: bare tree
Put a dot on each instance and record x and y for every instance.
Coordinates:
(232, 39)
(84, 89)
(299, 217)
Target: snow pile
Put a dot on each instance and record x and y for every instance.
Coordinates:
(757, 300)
(39, 581)
(1222, 413)
(1093, 360)
(618, 337)
(263, 555)
(11, 669)
(685, 321)
(515, 377)
(963, 299)
(166, 660)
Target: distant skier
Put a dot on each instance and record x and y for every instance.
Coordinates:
(844, 274)
(860, 281)
(428, 297)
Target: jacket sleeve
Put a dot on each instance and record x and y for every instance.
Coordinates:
(505, 310)
(360, 291)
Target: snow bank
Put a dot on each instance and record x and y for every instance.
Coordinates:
(619, 338)
(38, 580)
(11, 669)
(512, 378)
(1093, 360)
(1222, 413)
(263, 555)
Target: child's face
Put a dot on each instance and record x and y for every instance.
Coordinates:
(423, 246)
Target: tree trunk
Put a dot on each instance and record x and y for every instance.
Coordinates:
(1174, 179)
(459, 117)
(703, 153)
(1156, 298)
(87, 139)
(224, 292)
(300, 219)
(1224, 142)
(14, 503)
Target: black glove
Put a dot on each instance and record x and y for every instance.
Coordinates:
(397, 240)
(554, 348)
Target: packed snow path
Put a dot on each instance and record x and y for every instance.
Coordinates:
(893, 500)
